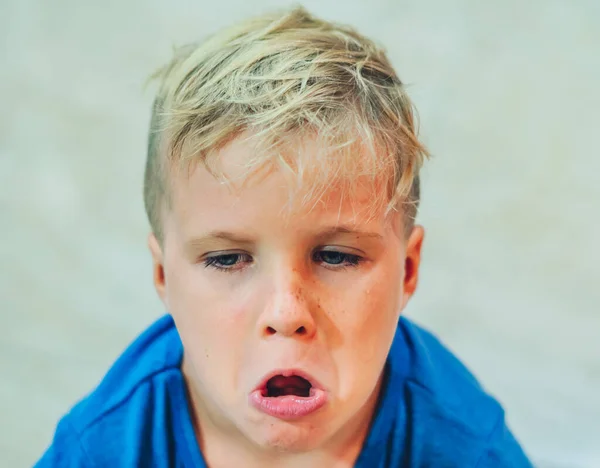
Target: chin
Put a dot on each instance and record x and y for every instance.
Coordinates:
(286, 436)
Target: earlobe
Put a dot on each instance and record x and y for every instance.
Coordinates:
(158, 271)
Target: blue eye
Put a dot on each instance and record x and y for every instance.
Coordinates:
(333, 257)
(227, 261)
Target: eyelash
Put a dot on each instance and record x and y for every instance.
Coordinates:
(349, 261)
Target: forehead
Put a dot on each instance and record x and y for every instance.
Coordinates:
(243, 199)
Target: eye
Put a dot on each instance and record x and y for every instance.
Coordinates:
(227, 262)
(336, 258)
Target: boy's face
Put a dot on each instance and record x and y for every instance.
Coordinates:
(312, 299)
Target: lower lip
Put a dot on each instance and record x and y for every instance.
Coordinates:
(289, 406)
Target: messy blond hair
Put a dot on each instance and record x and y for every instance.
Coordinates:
(279, 79)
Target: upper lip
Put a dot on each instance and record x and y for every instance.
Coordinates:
(288, 373)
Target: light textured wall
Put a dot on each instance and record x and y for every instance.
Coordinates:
(509, 103)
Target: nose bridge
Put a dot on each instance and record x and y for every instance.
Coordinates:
(288, 278)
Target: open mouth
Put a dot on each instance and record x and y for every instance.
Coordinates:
(288, 394)
(281, 385)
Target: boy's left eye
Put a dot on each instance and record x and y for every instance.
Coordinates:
(335, 258)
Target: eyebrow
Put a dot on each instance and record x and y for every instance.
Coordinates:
(218, 235)
(344, 229)
(240, 239)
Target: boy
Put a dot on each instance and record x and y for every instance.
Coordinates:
(281, 187)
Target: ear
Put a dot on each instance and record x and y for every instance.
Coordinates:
(157, 267)
(412, 262)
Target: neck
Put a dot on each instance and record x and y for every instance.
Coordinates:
(225, 446)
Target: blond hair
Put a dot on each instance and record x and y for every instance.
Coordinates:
(281, 78)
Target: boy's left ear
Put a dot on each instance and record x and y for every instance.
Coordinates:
(412, 262)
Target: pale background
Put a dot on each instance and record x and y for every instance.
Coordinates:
(508, 93)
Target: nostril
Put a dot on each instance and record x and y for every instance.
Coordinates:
(270, 331)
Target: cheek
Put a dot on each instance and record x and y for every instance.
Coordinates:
(373, 301)
(368, 323)
(209, 321)
(196, 294)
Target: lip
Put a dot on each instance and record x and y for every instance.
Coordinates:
(288, 407)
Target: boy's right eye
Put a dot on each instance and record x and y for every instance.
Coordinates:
(227, 262)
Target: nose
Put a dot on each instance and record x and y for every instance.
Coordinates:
(288, 312)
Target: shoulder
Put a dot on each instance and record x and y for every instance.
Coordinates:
(125, 403)
(444, 398)
(444, 383)
(156, 351)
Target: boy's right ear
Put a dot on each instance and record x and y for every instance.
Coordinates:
(158, 269)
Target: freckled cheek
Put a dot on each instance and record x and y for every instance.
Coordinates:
(372, 302)
(368, 322)
(366, 319)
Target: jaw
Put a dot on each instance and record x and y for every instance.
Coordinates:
(317, 440)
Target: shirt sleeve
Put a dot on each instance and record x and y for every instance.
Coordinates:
(66, 450)
(503, 450)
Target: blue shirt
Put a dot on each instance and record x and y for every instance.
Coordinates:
(431, 412)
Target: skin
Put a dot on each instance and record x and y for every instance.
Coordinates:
(294, 291)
